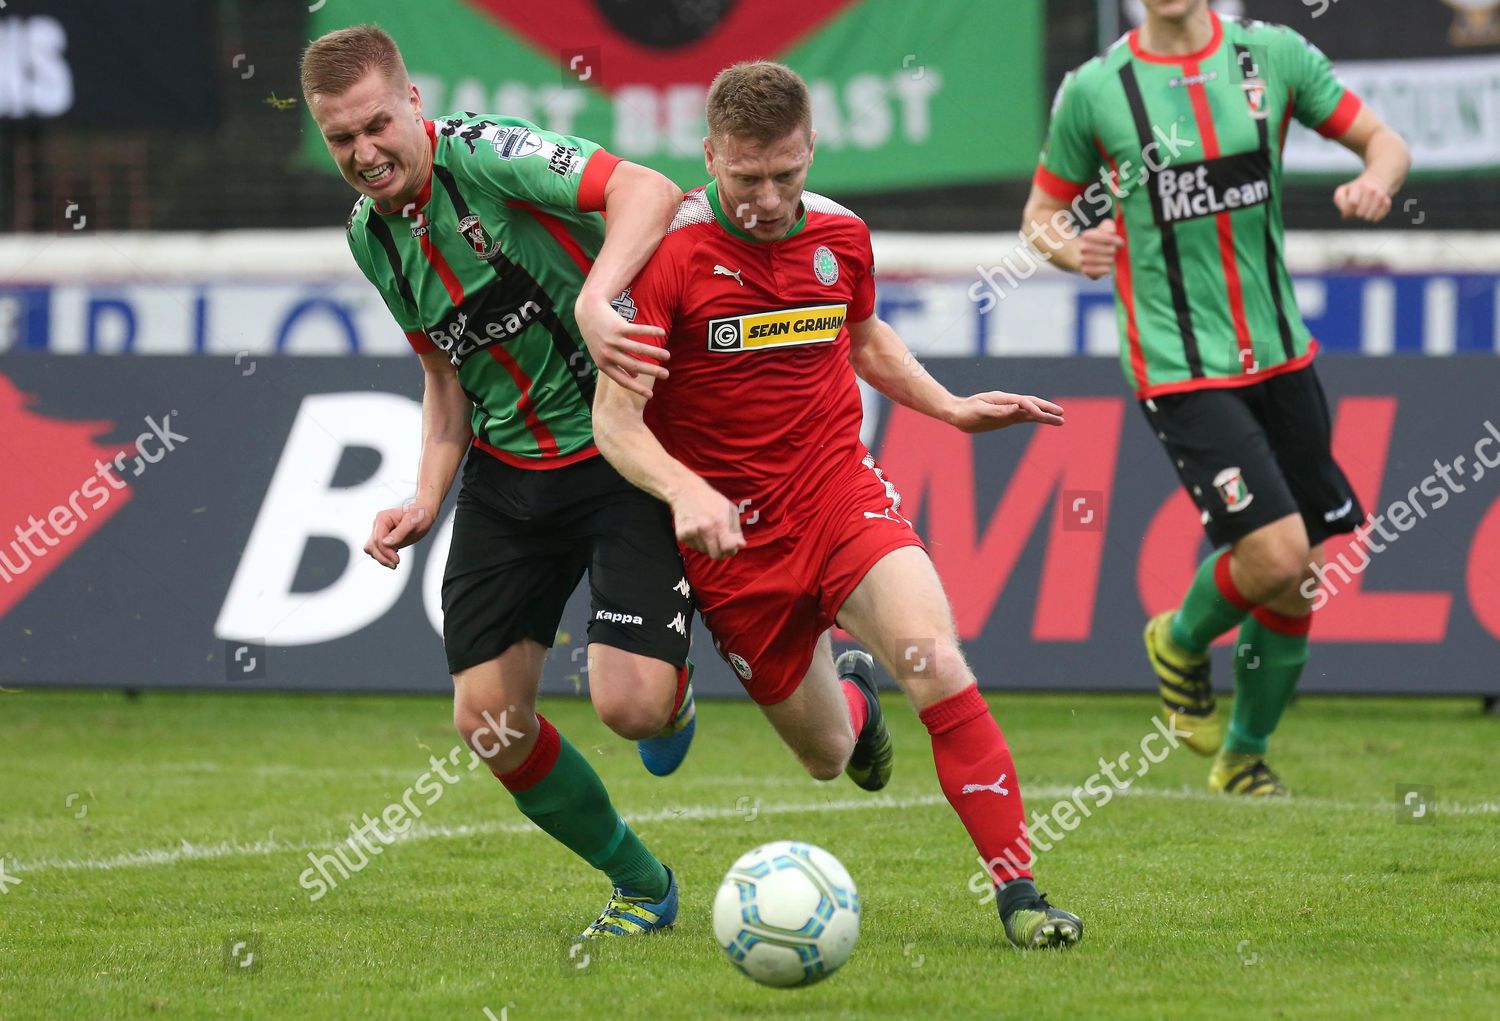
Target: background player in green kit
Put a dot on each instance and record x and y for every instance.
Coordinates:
(484, 236)
(1182, 122)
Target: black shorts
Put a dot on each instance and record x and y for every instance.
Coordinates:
(1251, 455)
(522, 539)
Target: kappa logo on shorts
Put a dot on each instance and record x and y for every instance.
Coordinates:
(684, 588)
(679, 624)
(740, 666)
(788, 327)
(617, 618)
(1231, 486)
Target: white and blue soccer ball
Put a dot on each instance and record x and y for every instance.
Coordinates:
(787, 914)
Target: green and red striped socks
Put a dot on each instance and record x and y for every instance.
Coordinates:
(557, 789)
(1211, 607)
(1268, 661)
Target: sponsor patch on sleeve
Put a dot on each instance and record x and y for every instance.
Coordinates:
(789, 327)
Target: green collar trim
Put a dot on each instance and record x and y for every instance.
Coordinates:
(734, 229)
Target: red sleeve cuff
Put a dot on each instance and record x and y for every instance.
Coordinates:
(862, 303)
(1342, 117)
(420, 342)
(1059, 188)
(595, 176)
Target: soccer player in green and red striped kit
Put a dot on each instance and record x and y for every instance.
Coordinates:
(1187, 117)
(484, 236)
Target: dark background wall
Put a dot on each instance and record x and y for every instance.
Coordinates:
(175, 136)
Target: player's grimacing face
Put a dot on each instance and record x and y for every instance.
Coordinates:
(374, 132)
(760, 183)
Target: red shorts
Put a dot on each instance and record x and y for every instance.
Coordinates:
(768, 605)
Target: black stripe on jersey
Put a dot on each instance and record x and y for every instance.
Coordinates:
(1169, 250)
(382, 234)
(563, 342)
(1273, 256)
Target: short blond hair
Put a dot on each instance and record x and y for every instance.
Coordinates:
(758, 100)
(334, 63)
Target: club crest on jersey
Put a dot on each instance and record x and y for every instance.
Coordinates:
(1231, 486)
(1255, 96)
(787, 327)
(485, 247)
(825, 266)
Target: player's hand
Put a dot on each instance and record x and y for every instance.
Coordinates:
(394, 528)
(987, 412)
(1363, 198)
(1097, 248)
(707, 522)
(608, 336)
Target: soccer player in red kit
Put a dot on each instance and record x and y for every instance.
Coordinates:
(787, 523)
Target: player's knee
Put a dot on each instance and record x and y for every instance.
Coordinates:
(1284, 568)
(632, 719)
(936, 668)
(500, 737)
(824, 769)
(827, 761)
(631, 697)
(953, 670)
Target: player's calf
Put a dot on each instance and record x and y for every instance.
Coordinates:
(814, 719)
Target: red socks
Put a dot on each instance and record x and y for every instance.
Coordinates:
(683, 676)
(978, 777)
(538, 763)
(859, 709)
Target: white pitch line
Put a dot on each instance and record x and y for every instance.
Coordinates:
(1036, 796)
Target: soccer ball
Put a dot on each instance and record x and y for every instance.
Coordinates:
(787, 914)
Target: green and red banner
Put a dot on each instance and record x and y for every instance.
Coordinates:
(904, 94)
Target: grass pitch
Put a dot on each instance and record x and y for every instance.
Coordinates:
(151, 836)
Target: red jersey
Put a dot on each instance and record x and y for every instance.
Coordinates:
(762, 401)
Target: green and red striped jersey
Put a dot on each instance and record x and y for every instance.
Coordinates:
(1187, 150)
(486, 265)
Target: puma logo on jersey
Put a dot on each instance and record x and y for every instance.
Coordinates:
(993, 788)
(725, 271)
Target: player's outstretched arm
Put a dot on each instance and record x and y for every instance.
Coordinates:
(704, 518)
(445, 438)
(1049, 226)
(1387, 160)
(883, 360)
(639, 205)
